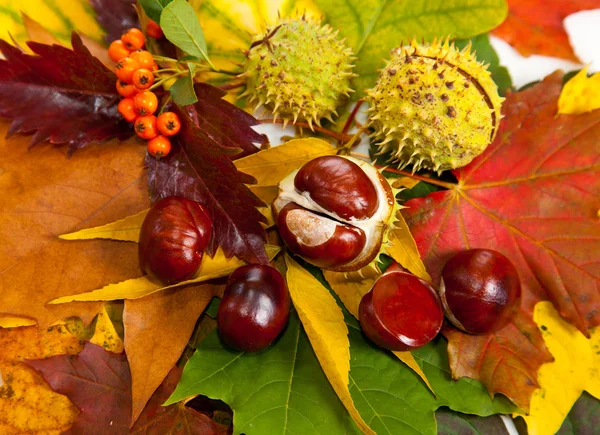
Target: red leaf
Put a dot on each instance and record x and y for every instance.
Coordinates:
(199, 168)
(536, 26)
(60, 95)
(177, 418)
(115, 17)
(533, 195)
(97, 382)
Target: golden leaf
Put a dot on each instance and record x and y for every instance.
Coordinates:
(16, 321)
(272, 165)
(324, 324)
(580, 94)
(210, 268)
(575, 369)
(105, 333)
(404, 250)
(126, 230)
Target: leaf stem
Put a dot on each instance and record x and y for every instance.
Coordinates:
(231, 85)
(345, 149)
(162, 81)
(326, 131)
(352, 116)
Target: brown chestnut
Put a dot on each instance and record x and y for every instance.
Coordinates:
(401, 312)
(480, 291)
(173, 237)
(319, 239)
(254, 309)
(338, 185)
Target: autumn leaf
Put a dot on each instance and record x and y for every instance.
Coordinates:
(61, 95)
(451, 423)
(115, 17)
(532, 196)
(199, 169)
(125, 230)
(580, 94)
(536, 26)
(583, 418)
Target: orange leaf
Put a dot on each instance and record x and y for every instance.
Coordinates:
(536, 26)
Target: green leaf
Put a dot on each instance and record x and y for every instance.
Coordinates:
(182, 91)
(486, 53)
(451, 423)
(281, 390)
(180, 25)
(373, 28)
(154, 8)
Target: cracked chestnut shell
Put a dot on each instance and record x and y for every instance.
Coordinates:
(480, 291)
(401, 312)
(254, 309)
(173, 237)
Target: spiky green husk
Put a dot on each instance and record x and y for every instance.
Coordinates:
(299, 70)
(434, 107)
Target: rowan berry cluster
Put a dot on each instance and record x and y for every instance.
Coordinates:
(135, 70)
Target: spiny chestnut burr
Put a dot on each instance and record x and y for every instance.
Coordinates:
(401, 312)
(480, 291)
(254, 309)
(173, 237)
(334, 212)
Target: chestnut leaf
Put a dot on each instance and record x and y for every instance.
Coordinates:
(59, 95)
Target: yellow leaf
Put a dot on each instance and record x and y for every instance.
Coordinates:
(270, 166)
(404, 182)
(575, 368)
(351, 289)
(105, 333)
(324, 324)
(210, 268)
(404, 250)
(266, 194)
(7, 321)
(580, 94)
(126, 230)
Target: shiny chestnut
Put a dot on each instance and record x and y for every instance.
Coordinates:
(173, 237)
(480, 291)
(401, 312)
(254, 309)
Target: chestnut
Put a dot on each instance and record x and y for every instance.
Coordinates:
(340, 185)
(254, 309)
(480, 291)
(318, 239)
(173, 237)
(401, 312)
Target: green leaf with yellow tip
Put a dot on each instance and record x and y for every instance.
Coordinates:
(210, 268)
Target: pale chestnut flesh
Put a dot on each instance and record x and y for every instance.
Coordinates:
(401, 312)
(254, 309)
(173, 237)
(480, 291)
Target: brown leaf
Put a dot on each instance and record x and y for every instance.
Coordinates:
(157, 329)
(44, 195)
(37, 32)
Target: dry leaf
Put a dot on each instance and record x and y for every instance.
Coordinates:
(580, 94)
(210, 268)
(324, 324)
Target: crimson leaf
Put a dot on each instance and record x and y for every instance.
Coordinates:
(115, 16)
(61, 95)
(199, 168)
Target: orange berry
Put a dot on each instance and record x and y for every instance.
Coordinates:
(125, 69)
(153, 30)
(159, 147)
(145, 103)
(126, 89)
(125, 108)
(168, 124)
(142, 78)
(117, 50)
(144, 58)
(145, 127)
(133, 39)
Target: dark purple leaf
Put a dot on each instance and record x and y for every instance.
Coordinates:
(451, 423)
(199, 168)
(61, 95)
(584, 417)
(115, 17)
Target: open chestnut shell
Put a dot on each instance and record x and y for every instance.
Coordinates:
(173, 237)
(480, 291)
(254, 309)
(401, 312)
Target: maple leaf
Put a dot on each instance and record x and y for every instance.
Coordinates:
(97, 382)
(536, 26)
(115, 17)
(533, 195)
(199, 168)
(61, 95)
